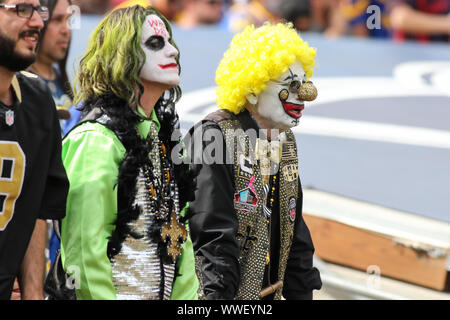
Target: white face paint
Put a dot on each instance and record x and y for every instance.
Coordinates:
(160, 64)
(279, 104)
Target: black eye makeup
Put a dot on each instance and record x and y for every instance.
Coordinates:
(155, 43)
(294, 86)
(293, 82)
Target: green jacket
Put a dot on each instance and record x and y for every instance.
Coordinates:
(91, 155)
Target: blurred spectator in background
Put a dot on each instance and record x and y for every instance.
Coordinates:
(52, 54)
(363, 18)
(50, 65)
(200, 12)
(325, 17)
(422, 20)
(118, 4)
(93, 6)
(245, 12)
(169, 8)
(296, 11)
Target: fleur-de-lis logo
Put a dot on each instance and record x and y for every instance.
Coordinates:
(177, 234)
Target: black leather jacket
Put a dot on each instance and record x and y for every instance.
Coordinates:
(214, 225)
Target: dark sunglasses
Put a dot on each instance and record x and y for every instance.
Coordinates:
(26, 10)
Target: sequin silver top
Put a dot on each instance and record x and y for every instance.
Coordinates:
(137, 270)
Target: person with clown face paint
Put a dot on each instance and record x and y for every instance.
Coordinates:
(124, 231)
(250, 240)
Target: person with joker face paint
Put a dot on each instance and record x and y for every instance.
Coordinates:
(123, 228)
(161, 67)
(250, 240)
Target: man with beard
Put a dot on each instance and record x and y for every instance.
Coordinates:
(33, 182)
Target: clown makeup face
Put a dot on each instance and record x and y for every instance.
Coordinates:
(160, 65)
(280, 105)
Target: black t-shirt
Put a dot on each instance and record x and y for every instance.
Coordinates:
(33, 182)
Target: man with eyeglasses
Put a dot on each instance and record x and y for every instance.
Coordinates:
(33, 182)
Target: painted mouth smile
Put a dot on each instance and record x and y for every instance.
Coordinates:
(168, 66)
(294, 110)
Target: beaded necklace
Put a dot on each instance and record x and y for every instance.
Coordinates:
(269, 192)
(163, 191)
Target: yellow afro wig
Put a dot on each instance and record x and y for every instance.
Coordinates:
(255, 56)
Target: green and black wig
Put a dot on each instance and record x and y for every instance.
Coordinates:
(114, 58)
(109, 73)
(108, 80)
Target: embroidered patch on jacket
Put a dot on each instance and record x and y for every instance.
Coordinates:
(290, 172)
(292, 209)
(289, 151)
(246, 200)
(245, 169)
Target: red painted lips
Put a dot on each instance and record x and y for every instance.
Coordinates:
(294, 110)
(168, 66)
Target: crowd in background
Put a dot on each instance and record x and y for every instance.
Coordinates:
(421, 20)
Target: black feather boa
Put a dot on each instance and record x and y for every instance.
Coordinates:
(123, 122)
